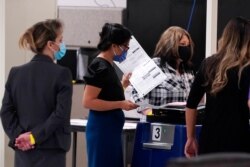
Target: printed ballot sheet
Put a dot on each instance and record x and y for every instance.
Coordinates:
(146, 75)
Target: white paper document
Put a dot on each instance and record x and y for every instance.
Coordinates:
(146, 75)
(143, 105)
(170, 106)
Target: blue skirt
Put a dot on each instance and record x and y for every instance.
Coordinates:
(104, 138)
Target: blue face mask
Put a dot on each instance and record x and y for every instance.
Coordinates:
(61, 52)
(122, 57)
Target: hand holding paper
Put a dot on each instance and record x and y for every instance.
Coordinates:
(146, 75)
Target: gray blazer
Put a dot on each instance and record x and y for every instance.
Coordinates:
(38, 98)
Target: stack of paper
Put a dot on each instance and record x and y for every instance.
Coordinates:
(146, 75)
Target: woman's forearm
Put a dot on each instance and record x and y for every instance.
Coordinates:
(190, 122)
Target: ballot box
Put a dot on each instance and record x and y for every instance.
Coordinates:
(163, 135)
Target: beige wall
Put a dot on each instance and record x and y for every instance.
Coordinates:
(19, 16)
(2, 72)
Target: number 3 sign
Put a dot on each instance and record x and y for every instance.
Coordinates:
(157, 131)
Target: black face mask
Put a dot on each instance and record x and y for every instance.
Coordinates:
(185, 53)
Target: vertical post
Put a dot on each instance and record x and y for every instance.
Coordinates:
(2, 74)
(74, 149)
(211, 27)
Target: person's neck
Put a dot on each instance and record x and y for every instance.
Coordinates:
(178, 66)
(48, 53)
(107, 56)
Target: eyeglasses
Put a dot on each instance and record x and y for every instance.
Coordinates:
(125, 46)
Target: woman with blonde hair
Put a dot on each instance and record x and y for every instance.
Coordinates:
(173, 54)
(224, 77)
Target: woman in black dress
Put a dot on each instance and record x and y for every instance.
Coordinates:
(224, 77)
(104, 96)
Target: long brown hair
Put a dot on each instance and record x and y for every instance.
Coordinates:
(36, 37)
(233, 51)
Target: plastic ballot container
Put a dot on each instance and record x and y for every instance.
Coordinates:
(155, 143)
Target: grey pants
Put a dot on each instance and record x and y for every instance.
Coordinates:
(40, 158)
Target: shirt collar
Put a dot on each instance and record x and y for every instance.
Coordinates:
(41, 57)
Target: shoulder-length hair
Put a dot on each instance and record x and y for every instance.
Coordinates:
(167, 46)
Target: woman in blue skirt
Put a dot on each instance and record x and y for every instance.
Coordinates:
(104, 96)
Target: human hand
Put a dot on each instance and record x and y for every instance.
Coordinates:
(248, 103)
(128, 105)
(125, 79)
(191, 148)
(23, 142)
(146, 111)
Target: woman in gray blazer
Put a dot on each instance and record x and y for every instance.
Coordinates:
(37, 101)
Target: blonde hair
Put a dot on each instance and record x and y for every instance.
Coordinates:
(233, 51)
(36, 37)
(167, 46)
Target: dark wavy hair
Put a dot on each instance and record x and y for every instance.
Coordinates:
(113, 34)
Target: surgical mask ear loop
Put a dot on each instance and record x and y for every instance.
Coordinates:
(114, 52)
(121, 48)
